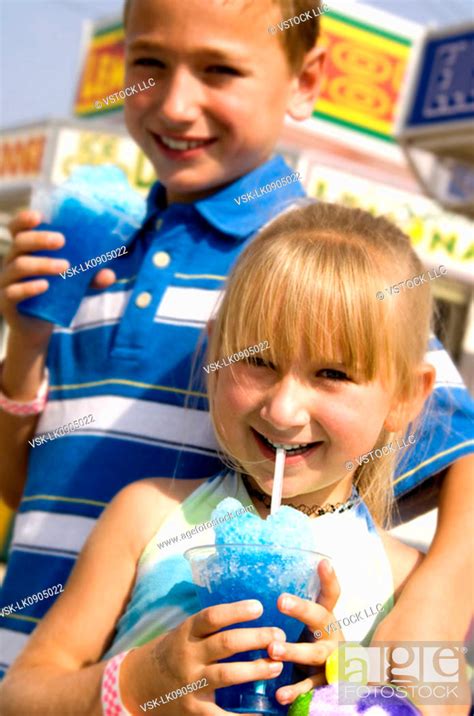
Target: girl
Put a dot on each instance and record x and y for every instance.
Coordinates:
(342, 379)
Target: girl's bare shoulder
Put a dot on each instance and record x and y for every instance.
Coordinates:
(145, 504)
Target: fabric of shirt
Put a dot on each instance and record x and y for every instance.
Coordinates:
(130, 369)
(163, 595)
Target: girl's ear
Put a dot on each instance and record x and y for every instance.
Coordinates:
(402, 412)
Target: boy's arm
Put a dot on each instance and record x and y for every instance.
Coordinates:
(436, 602)
(58, 671)
(442, 583)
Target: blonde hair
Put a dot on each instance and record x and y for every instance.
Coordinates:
(296, 40)
(315, 279)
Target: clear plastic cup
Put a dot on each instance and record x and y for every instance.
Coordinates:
(230, 573)
(92, 228)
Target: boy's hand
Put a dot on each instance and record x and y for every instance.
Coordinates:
(315, 617)
(190, 654)
(20, 265)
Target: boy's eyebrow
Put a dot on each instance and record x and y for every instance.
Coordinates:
(213, 52)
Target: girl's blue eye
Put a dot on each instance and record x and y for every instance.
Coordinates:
(333, 374)
(258, 362)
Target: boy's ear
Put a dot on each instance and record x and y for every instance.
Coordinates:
(403, 412)
(306, 84)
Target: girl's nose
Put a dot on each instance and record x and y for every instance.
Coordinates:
(286, 405)
(182, 95)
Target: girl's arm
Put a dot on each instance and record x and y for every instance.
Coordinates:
(58, 671)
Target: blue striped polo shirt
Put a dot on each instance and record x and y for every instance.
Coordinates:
(129, 361)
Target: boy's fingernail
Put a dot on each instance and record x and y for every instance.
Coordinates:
(287, 603)
(329, 567)
(284, 697)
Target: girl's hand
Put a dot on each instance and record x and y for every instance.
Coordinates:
(316, 616)
(191, 652)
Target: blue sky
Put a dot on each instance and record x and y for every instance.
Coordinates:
(40, 42)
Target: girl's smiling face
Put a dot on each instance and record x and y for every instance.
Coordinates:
(333, 414)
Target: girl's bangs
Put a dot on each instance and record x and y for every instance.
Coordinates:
(301, 294)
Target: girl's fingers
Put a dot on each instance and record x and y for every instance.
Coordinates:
(287, 694)
(309, 654)
(239, 672)
(210, 620)
(314, 615)
(330, 589)
(233, 641)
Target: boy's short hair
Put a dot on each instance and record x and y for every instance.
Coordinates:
(296, 40)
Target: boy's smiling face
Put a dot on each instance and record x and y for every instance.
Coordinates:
(223, 85)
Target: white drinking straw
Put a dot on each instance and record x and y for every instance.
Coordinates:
(278, 480)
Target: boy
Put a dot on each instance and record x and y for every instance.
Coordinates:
(223, 85)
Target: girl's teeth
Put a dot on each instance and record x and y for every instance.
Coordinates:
(284, 446)
(180, 144)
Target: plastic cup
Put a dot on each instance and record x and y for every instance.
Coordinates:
(91, 229)
(230, 573)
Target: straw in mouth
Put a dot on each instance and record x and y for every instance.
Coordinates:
(278, 480)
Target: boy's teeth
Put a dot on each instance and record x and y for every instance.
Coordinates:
(180, 144)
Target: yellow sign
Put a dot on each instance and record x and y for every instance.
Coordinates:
(435, 233)
(363, 74)
(103, 72)
(75, 147)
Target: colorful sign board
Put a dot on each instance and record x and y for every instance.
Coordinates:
(364, 72)
(437, 235)
(51, 151)
(21, 155)
(443, 84)
(76, 147)
(103, 72)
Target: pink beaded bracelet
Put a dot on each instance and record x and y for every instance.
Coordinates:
(31, 407)
(112, 704)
